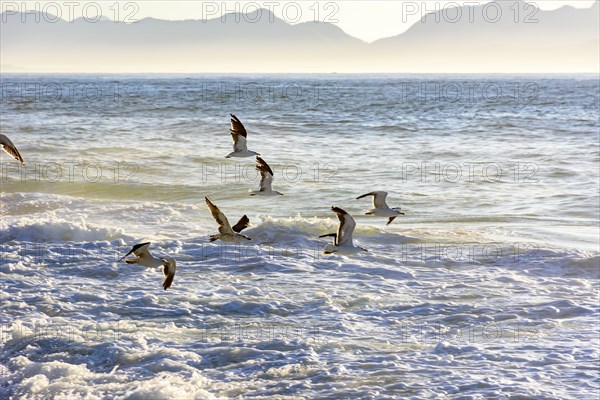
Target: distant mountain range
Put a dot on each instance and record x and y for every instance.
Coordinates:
(563, 40)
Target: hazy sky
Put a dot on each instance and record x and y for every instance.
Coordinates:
(366, 20)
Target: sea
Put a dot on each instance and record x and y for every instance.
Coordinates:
(487, 287)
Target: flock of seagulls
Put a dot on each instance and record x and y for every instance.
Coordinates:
(342, 238)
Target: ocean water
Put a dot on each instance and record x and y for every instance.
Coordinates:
(486, 288)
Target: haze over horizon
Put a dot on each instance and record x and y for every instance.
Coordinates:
(505, 37)
(380, 20)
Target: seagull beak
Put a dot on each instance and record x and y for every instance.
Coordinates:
(365, 250)
(401, 213)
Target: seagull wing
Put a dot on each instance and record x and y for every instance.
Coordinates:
(378, 199)
(266, 174)
(169, 269)
(10, 148)
(346, 228)
(242, 224)
(139, 250)
(238, 134)
(222, 221)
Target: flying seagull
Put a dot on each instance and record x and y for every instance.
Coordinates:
(226, 232)
(380, 207)
(342, 239)
(144, 258)
(266, 179)
(10, 148)
(239, 136)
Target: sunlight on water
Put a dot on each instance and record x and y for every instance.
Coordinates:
(494, 266)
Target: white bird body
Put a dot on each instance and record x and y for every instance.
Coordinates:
(266, 180)
(380, 207)
(383, 212)
(226, 232)
(239, 136)
(342, 239)
(342, 250)
(242, 154)
(145, 259)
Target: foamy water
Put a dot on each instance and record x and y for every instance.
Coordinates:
(487, 288)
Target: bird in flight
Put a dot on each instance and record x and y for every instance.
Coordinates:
(342, 239)
(380, 207)
(266, 179)
(145, 259)
(226, 232)
(239, 136)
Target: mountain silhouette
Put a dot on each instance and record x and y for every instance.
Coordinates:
(562, 40)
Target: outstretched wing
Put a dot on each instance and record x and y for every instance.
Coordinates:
(10, 148)
(139, 250)
(238, 134)
(242, 224)
(224, 227)
(346, 227)
(378, 198)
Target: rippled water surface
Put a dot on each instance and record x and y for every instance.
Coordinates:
(486, 288)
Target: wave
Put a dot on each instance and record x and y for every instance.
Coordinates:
(59, 230)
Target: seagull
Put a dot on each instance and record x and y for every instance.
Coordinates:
(239, 135)
(226, 232)
(10, 148)
(380, 207)
(342, 239)
(144, 258)
(266, 179)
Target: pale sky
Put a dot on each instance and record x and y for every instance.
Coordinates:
(366, 20)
